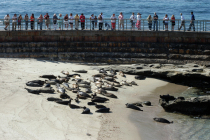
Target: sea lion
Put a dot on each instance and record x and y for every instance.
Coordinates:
(63, 102)
(140, 77)
(33, 91)
(47, 90)
(80, 71)
(80, 93)
(86, 110)
(48, 76)
(32, 84)
(133, 107)
(147, 103)
(110, 88)
(103, 110)
(65, 72)
(53, 99)
(162, 120)
(64, 96)
(73, 106)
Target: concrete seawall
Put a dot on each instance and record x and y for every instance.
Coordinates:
(108, 46)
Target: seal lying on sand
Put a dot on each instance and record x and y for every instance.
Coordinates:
(162, 120)
(33, 91)
(80, 71)
(103, 110)
(110, 88)
(140, 77)
(74, 106)
(63, 102)
(167, 97)
(48, 76)
(133, 107)
(35, 83)
(86, 110)
(64, 96)
(53, 99)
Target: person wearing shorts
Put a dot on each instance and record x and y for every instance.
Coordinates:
(47, 20)
(6, 21)
(60, 21)
(71, 20)
(121, 20)
(165, 20)
(14, 22)
(66, 21)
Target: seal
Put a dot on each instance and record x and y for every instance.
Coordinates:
(147, 103)
(48, 76)
(109, 95)
(86, 110)
(91, 103)
(73, 106)
(33, 91)
(64, 96)
(102, 70)
(140, 77)
(47, 90)
(125, 83)
(167, 97)
(80, 93)
(103, 110)
(162, 120)
(64, 102)
(100, 106)
(133, 107)
(53, 99)
(65, 72)
(80, 71)
(35, 83)
(110, 88)
(122, 74)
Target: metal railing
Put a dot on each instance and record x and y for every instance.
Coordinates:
(199, 25)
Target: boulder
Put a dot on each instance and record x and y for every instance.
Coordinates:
(190, 106)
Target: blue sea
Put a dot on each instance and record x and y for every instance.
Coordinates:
(108, 7)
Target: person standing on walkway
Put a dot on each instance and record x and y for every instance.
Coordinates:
(76, 18)
(92, 19)
(47, 20)
(172, 22)
(19, 22)
(71, 20)
(40, 21)
(132, 20)
(121, 20)
(192, 22)
(6, 21)
(182, 22)
(100, 21)
(95, 19)
(138, 23)
(149, 19)
(14, 22)
(165, 20)
(113, 21)
(32, 21)
(155, 18)
(26, 21)
(55, 18)
(66, 21)
(82, 20)
(60, 21)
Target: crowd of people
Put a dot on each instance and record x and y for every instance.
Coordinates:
(68, 21)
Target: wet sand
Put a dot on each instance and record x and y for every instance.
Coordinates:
(28, 116)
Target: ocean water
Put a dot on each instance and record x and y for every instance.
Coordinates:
(108, 7)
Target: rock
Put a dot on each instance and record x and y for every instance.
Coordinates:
(167, 98)
(190, 106)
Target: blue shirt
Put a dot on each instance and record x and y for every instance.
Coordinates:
(192, 17)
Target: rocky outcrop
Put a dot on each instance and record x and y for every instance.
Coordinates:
(190, 106)
(192, 75)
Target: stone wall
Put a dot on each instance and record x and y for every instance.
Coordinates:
(108, 46)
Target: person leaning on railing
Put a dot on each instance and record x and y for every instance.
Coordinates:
(32, 21)
(155, 18)
(26, 21)
(149, 19)
(47, 20)
(19, 22)
(6, 21)
(71, 20)
(55, 18)
(76, 21)
(40, 21)
(113, 21)
(82, 20)
(165, 21)
(92, 19)
(182, 22)
(60, 19)
(138, 23)
(66, 21)
(14, 22)
(173, 22)
(100, 22)
(132, 20)
(121, 20)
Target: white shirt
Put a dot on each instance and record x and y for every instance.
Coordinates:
(182, 18)
(6, 19)
(100, 21)
(91, 17)
(71, 19)
(113, 19)
(138, 17)
(14, 19)
(132, 17)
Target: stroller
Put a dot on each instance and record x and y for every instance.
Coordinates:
(107, 26)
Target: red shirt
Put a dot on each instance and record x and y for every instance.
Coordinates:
(173, 19)
(46, 17)
(32, 18)
(82, 18)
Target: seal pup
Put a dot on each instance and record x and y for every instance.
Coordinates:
(147, 103)
(83, 85)
(77, 99)
(33, 91)
(61, 90)
(46, 85)
(162, 120)
(86, 110)
(133, 83)
(80, 71)
(72, 75)
(48, 76)
(133, 107)
(88, 90)
(103, 110)
(112, 71)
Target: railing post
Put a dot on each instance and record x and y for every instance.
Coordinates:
(197, 25)
(126, 24)
(143, 25)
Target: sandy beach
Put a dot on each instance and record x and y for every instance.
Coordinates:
(27, 116)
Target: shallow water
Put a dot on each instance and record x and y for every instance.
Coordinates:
(108, 7)
(184, 127)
